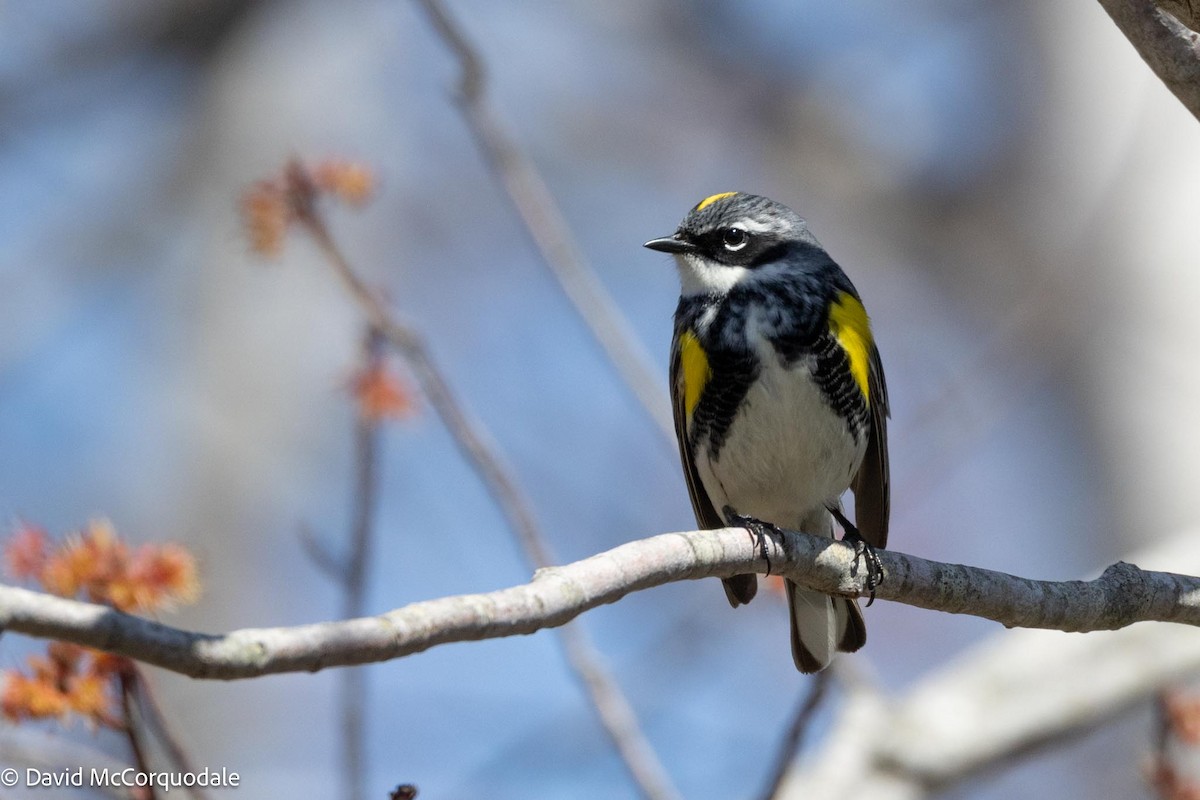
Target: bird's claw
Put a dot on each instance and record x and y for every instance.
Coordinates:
(864, 552)
(757, 528)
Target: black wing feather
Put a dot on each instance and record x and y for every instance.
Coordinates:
(740, 588)
(872, 483)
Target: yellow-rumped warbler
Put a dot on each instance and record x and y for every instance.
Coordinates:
(779, 397)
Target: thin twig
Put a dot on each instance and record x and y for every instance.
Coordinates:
(551, 235)
(468, 433)
(350, 573)
(366, 482)
(128, 680)
(366, 491)
(152, 714)
(616, 713)
(794, 738)
(322, 557)
(1121, 596)
(614, 710)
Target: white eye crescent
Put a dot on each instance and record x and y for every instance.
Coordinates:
(734, 239)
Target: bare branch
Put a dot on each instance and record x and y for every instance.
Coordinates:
(616, 714)
(614, 710)
(1124, 594)
(156, 724)
(349, 572)
(468, 433)
(1015, 695)
(794, 737)
(1170, 48)
(137, 745)
(366, 492)
(324, 559)
(1186, 11)
(1012, 695)
(549, 230)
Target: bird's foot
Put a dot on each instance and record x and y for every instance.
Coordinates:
(758, 529)
(864, 552)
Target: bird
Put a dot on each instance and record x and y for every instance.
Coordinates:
(779, 398)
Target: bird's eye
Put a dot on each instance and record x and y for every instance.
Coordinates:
(734, 239)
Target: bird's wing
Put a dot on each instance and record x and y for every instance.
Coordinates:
(706, 516)
(872, 483)
(739, 589)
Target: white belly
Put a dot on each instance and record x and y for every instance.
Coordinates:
(786, 455)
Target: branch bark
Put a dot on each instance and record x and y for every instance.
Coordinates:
(614, 710)
(1168, 46)
(548, 229)
(1010, 696)
(1122, 595)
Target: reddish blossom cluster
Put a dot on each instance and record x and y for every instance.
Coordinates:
(380, 393)
(95, 565)
(272, 205)
(68, 679)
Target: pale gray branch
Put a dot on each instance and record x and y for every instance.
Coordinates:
(615, 712)
(548, 229)
(1122, 595)
(1168, 46)
(1016, 693)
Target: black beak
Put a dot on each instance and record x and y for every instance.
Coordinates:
(671, 244)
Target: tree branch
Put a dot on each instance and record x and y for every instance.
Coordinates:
(551, 235)
(614, 710)
(794, 737)
(137, 746)
(1170, 48)
(354, 580)
(468, 433)
(1008, 697)
(156, 725)
(1122, 595)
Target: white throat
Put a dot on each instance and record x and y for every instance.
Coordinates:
(701, 276)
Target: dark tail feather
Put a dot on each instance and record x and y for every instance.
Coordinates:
(855, 635)
(822, 625)
(740, 589)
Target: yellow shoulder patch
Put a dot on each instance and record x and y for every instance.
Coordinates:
(849, 324)
(712, 198)
(693, 361)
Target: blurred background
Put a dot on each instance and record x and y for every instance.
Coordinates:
(1011, 189)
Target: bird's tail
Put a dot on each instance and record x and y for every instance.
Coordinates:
(822, 625)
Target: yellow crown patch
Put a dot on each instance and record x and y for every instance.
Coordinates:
(712, 198)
